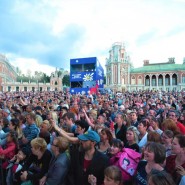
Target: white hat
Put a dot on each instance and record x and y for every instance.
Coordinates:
(122, 107)
(66, 105)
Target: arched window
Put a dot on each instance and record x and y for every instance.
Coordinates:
(174, 79)
(160, 80)
(139, 80)
(147, 80)
(133, 80)
(167, 80)
(183, 78)
(56, 83)
(154, 80)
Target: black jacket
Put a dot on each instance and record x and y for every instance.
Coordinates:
(121, 134)
(77, 175)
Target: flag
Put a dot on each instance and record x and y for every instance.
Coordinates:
(93, 90)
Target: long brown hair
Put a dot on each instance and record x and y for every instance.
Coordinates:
(169, 124)
(109, 134)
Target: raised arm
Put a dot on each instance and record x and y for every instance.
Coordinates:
(64, 133)
(87, 119)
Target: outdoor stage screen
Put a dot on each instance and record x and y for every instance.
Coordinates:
(86, 74)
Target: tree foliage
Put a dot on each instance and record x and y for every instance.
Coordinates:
(37, 77)
(66, 80)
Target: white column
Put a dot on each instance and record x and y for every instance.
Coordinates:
(164, 82)
(170, 81)
(157, 76)
(150, 81)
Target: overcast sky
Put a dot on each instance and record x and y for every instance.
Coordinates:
(44, 34)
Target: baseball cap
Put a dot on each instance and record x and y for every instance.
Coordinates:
(66, 105)
(122, 107)
(89, 136)
(38, 108)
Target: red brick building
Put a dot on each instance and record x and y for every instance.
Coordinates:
(122, 76)
(7, 71)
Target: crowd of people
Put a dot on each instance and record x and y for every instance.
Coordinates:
(125, 138)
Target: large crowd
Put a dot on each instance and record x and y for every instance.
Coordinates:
(56, 138)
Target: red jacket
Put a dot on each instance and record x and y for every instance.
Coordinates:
(9, 151)
(181, 127)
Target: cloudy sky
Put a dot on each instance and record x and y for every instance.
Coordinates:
(44, 34)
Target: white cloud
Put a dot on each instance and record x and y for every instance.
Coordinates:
(110, 21)
(150, 29)
(33, 65)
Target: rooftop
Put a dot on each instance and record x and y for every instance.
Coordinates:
(153, 67)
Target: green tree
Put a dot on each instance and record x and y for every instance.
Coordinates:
(60, 72)
(66, 80)
(45, 78)
(38, 76)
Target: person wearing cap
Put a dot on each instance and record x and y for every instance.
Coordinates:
(86, 160)
(121, 108)
(64, 110)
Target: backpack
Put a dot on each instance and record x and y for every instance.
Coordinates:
(129, 160)
(121, 159)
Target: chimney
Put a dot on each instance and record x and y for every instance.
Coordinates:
(171, 60)
(145, 62)
(184, 60)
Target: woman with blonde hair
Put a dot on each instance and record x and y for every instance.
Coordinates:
(59, 167)
(52, 115)
(132, 138)
(38, 162)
